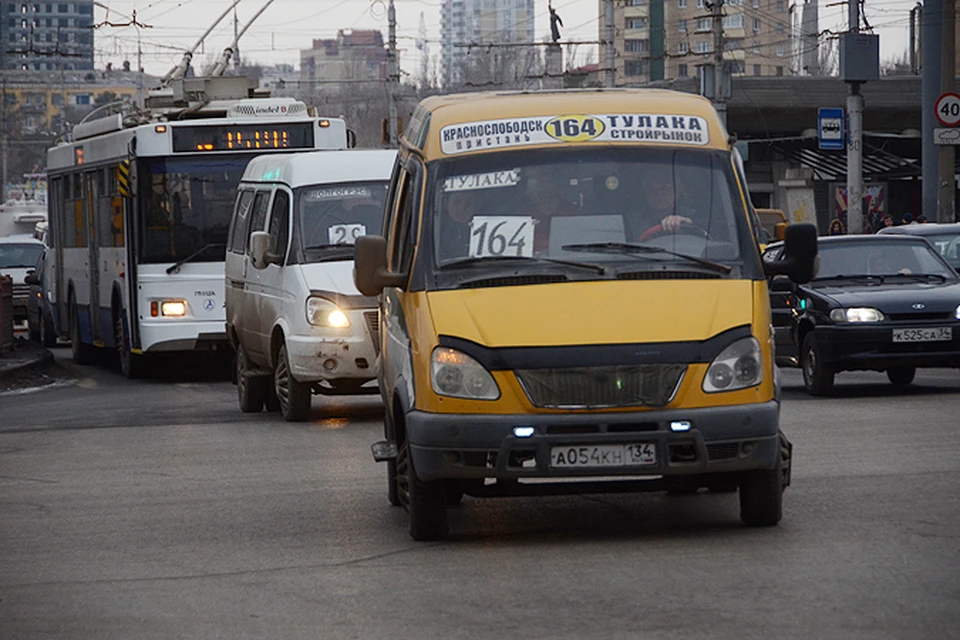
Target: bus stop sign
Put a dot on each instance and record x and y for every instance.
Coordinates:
(830, 132)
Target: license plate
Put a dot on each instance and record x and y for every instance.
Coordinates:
(603, 455)
(937, 334)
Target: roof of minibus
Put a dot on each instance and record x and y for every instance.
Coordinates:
(321, 167)
(486, 107)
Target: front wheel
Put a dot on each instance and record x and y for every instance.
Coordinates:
(294, 397)
(131, 364)
(82, 353)
(901, 376)
(426, 501)
(48, 337)
(817, 374)
(761, 496)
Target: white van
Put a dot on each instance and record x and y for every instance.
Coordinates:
(294, 316)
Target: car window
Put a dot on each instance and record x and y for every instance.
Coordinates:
(259, 215)
(279, 224)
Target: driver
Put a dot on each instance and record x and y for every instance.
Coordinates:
(659, 204)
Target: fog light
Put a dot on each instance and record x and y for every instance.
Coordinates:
(680, 425)
(523, 432)
(329, 364)
(175, 308)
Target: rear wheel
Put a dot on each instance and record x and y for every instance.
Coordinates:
(426, 502)
(901, 376)
(817, 375)
(294, 397)
(82, 353)
(251, 390)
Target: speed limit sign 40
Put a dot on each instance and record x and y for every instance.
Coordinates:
(948, 109)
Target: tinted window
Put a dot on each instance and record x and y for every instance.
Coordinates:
(879, 259)
(279, 224)
(240, 220)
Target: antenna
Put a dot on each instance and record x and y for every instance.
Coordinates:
(224, 60)
(184, 64)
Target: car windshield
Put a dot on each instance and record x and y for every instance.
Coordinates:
(332, 216)
(18, 255)
(593, 205)
(884, 259)
(948, 244)
(187, 204)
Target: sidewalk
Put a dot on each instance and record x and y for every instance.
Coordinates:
(25, 357)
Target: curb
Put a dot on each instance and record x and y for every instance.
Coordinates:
(23, 360)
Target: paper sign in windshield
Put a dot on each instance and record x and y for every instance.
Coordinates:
(501, 236)
(345, 233)
(492, 180)
(338, 193)
(574, 128)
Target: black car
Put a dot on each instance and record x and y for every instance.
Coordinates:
(881, 303)
(39, 309)
(945, 238)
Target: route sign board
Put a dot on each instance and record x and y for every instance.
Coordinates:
(830, 130)
(947, 109)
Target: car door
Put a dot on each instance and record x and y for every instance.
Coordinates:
(273, 294)
(252, 289)
(783, 304)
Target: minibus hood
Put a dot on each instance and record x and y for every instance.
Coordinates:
(605, 312)
(335, 276)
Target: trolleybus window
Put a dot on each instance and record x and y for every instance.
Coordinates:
(187, 204)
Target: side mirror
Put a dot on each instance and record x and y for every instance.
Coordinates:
(781, 284)
(800, 261)
(259, 243)
(370, 273)
(31, 278)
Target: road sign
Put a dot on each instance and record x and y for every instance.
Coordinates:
(946, 136)
(830, 128)
(947, 109)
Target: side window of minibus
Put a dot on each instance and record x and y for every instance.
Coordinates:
(279, 224)
(405, 232)
(259, 215)
(239, 229)
(398, 224)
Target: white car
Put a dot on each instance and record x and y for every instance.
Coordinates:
(18, 256)
(294, 316)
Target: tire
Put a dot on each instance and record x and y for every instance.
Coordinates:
(817, 375)
(393, 492)
(272, 402)
(132, 365)
(34, 334)
(901, 376)
(761, 497)
(426, 502)
(82, 353)
(251, 391)
(48, 337)
(294, 397)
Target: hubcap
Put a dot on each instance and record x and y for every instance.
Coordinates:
(281, 376)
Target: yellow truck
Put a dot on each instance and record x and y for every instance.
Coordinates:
(572, 300)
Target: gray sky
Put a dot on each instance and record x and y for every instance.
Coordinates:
(288, 26)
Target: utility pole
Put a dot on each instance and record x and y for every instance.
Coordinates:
(610, 59)
(236, 38)
(946, 188)
(719, 73)
(931, 30)
(3, 132)
(394, 79)
(855, 144)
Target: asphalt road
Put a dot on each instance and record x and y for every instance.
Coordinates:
(155, 509)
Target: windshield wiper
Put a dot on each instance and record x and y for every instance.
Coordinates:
(179, 263)
(861, 276)
(627, 247)
(920, 276)
(466, 262)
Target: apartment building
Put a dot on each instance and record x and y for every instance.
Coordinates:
(492, 22)
(665, 39)
(332, 65)
(38, 36)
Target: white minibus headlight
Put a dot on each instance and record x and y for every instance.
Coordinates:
(323, 313)
(737, 367)
(856, 314)
(173, 308)
(455, 374)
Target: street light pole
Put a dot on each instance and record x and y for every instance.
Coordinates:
(855, 144)
(394, 79)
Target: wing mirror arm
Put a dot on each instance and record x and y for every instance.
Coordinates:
(370, 273)
(800, 261)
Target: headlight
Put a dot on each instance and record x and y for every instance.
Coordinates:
(956, 312)
(323, 313)
(738, 366)
(173, 308)
(456, 374)
(856, 314)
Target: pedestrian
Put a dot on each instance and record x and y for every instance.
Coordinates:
(907, 218)
(921, 219)
(836, 228)
(887, 221)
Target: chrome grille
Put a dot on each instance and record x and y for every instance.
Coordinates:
(581, 387)
(21, 291)
(372, 318)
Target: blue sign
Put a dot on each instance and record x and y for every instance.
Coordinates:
(830, 130)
